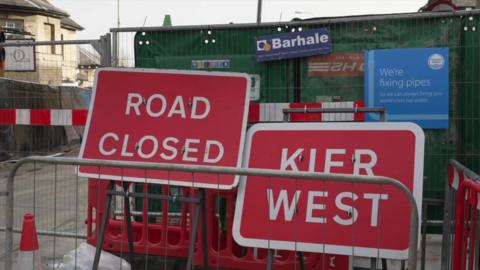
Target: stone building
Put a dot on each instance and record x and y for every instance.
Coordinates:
(41, 21)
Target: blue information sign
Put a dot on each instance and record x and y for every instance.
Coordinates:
(293, 45)
(411, 84)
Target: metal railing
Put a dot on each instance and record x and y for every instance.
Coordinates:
(459, 172)
(9, 217)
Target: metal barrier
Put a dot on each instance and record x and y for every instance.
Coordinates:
(127, 195)
(57, 77)
(461, 213)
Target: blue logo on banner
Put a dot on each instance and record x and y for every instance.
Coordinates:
(411, 84)
(293, 45)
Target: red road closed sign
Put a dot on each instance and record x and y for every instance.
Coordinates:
(325, 216)
(181, 117)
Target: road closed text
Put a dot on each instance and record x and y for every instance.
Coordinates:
(169, 148)
(165, 148)
(167, 116)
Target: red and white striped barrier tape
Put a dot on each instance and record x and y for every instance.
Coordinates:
(43, 117)
(259, 112)
(273, 112)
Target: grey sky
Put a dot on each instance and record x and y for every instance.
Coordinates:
(97, 16)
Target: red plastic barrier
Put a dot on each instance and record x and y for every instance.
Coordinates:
(223, 252)
(305, 117)
(455, 177)
(320, 117)
(169, 236)
(258, 112)
(465, 224)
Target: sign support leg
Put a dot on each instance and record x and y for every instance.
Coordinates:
(200, 209)
(195, 221)
(301, 260)
(203, 203)
(128, 220)
(373, 264)
(101, 236)
(270, 259)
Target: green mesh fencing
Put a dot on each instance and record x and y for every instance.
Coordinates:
(290, 81)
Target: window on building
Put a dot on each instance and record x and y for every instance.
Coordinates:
(12, 23)
(62, 48)
(9, 24)
(49, 30)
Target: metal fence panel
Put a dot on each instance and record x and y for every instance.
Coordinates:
(58, 75)
(49, 187)
(232, 48)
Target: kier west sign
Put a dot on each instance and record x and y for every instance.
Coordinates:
(325, 216)
(196, 118)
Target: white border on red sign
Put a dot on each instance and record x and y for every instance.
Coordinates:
(324, 248)
(163, 181)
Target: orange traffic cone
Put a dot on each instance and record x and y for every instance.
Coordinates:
(28, 256)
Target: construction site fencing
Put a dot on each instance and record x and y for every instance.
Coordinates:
(337, 77)
(70, 210)
(280, 90)
(56, 62)
(460, 226)
(44, 83)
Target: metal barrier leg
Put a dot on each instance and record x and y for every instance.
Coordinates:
(373, 263)
(424, 235)
(302, 261)
(106, 212)
(128, 220)
(204, 227)
(191, 249)
(447, 228)
(477, 245)
(270, 259)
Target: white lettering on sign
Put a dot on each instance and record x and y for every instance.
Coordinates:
(282, 199)
(149, 106)
(364, 160)
(157, 104)
(134, 101)
(170, 148)
(125, 153)
(290, 161)
(353, 212)
(278, 43)
(213, 144)
(311, 205)
(329, 163)
(366, 166)
(290, 206)
(375, 204)
(141, 150)
(178, 108)
(167, 149)
(195, 102)
(189, 148)
(101, 143)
